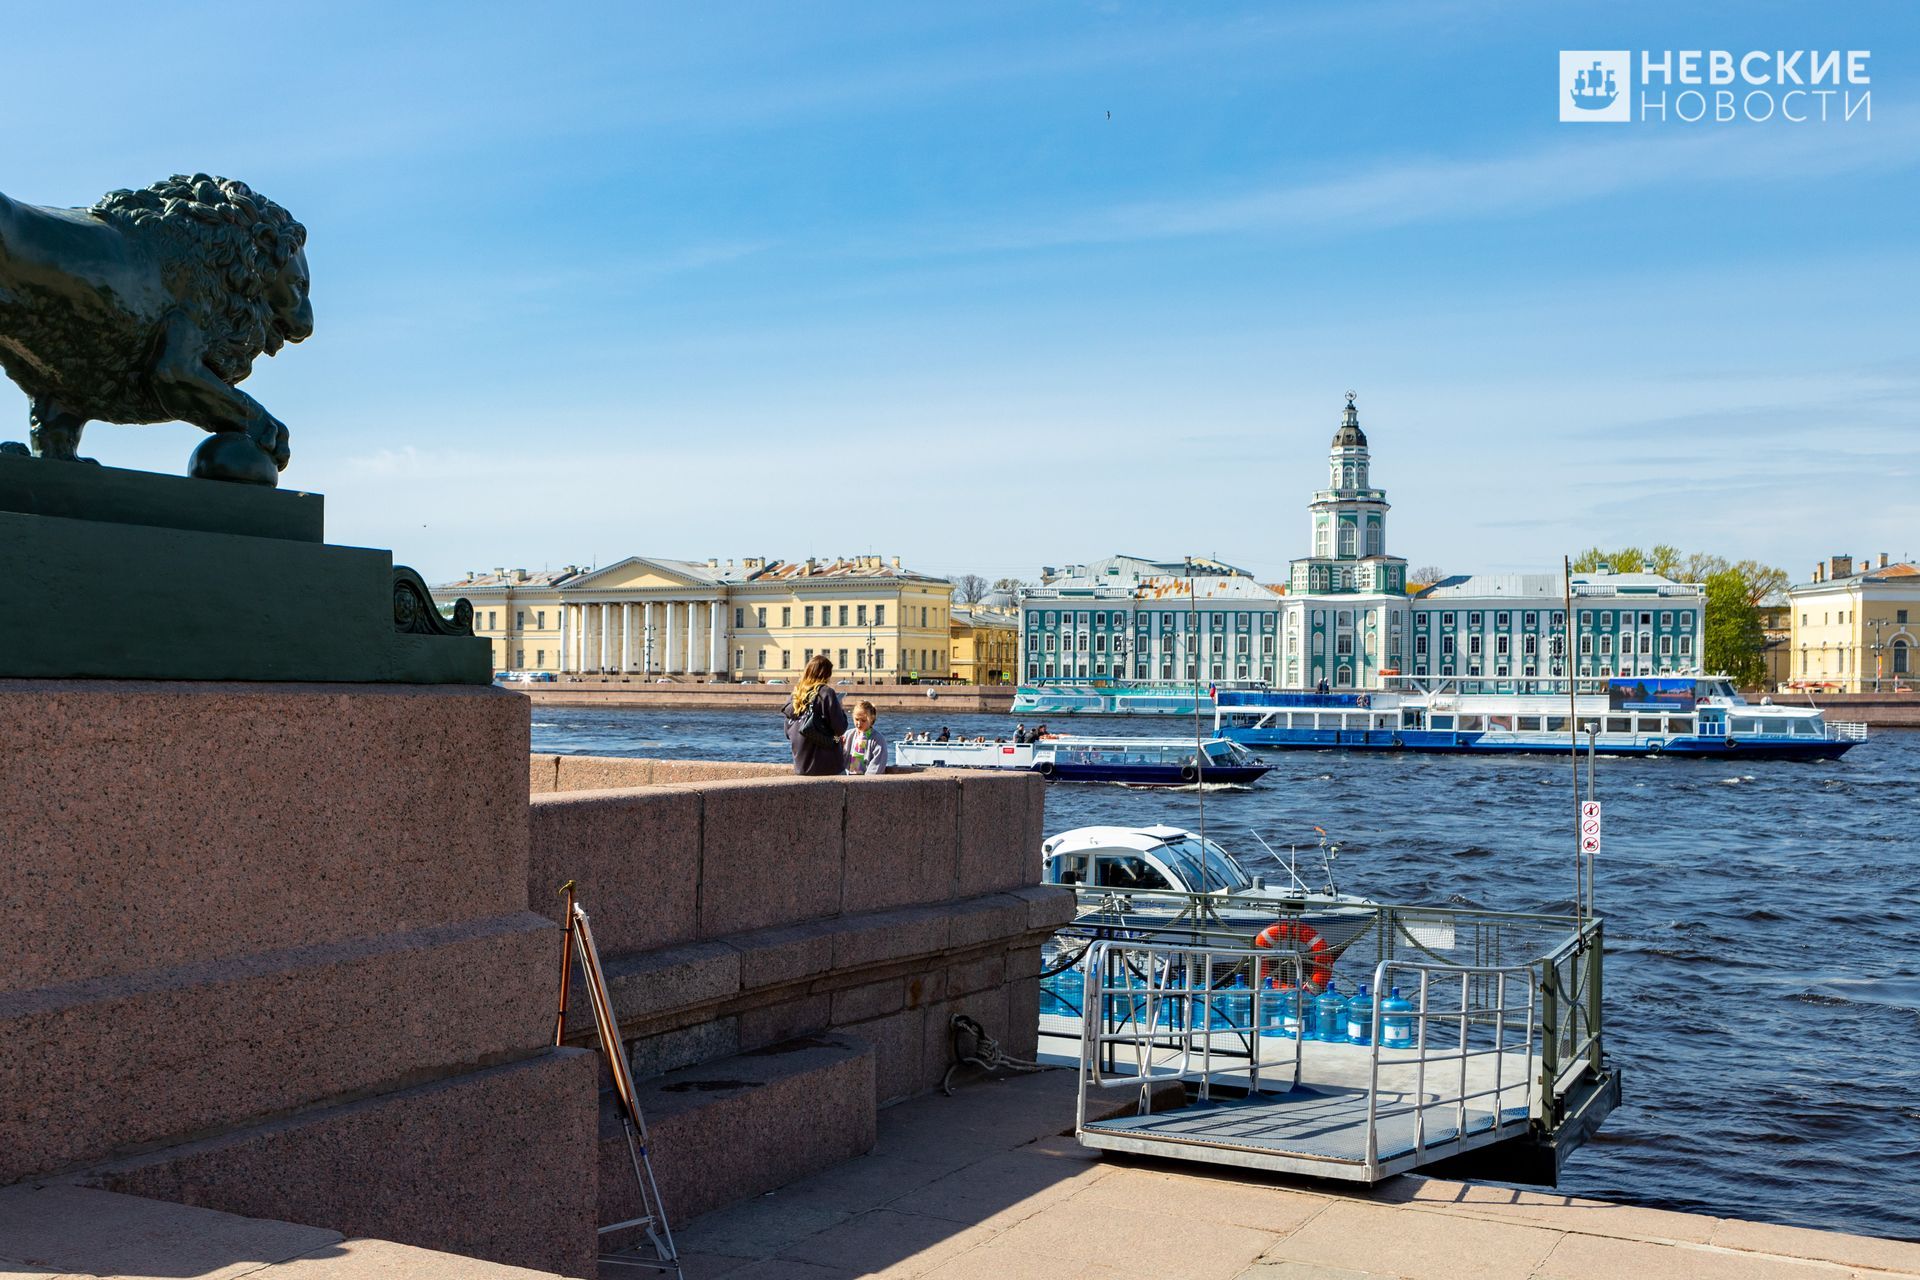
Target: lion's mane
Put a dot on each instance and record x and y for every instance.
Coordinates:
(219, 245)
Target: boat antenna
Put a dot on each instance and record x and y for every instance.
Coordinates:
(1329, 853)
(1573, 732)
(1199, 752)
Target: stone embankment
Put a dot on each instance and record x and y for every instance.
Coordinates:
(929, 699)
(1875, 710)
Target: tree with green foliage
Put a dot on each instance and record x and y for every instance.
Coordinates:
(1665, 559)
(1734, 639)
(1625, 560)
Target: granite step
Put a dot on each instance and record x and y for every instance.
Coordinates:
(737, 1127)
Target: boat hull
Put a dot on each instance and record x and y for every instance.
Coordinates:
(1482, 743)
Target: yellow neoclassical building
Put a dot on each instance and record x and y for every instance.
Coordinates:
(749, 620)
(1855, 630)
(985, 644)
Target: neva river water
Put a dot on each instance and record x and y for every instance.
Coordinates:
(1763, 928)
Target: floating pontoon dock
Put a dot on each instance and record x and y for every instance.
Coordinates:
(1504, 1070)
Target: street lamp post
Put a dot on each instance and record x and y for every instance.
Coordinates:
(872, 658)
(1878, 646)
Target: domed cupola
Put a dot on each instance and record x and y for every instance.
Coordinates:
(1350, 436)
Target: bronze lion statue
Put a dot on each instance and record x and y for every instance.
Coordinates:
(149, 307)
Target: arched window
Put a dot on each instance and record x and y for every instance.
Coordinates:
(1900, 657)
(1346, 538)
(1343, 678)
(1373, 538)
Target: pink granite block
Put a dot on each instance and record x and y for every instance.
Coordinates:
(543, 773)
(882, 936)
(634, 856)
(667, 771)
(898, 1041)
(998, 849)
(792, 953)
(976, 974)
(1021, 1039)
(496, 1164)
(743, 1125)
(977, 921)
(107, 1065)
(900, 841)
(770, 853)
(602, 773)
(1048, 906)
(670, 980)
(153, 824)
(785, 1019)
(868, 1000)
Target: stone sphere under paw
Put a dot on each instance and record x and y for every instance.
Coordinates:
(233, 456)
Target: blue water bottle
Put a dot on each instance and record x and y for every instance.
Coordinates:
(1240, 1004)
(1329, 1014)
(1360, 1017)
(1396, 1022)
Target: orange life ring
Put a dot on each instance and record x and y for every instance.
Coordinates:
(1319, 971)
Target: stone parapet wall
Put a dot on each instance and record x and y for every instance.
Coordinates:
(922, 700)
(266, 948)
(739, 912)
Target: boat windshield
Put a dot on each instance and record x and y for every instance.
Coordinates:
(1187, 857)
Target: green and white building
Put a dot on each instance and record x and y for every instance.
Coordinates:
(1345, 615)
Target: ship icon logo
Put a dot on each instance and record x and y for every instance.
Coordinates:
(1594, 86)
(1591, 92)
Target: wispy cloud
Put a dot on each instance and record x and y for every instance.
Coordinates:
(1422, 189)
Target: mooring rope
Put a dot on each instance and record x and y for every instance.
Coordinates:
(986, 1054)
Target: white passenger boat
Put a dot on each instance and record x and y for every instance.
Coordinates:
(1695, 716)
(1163, 762)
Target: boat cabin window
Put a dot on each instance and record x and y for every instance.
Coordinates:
(1807, 727)
(1619, 724)
(1555, 724)
(1441, 722)
(1530, 723)
(1473, 724)
(1070, 868)
(1739, 725)
(1127, 871)
(1186, 858)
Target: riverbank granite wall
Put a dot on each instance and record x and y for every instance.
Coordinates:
(739, 908)
(266, 949)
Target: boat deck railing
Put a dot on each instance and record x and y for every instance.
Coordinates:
(1846, 731)
(1500, 1036)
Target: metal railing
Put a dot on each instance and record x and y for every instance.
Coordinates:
(1506, 1020)
(1846, 730)
(1457, 1034)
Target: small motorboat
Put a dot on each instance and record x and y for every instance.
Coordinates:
(1166, 882)
(1153, 762)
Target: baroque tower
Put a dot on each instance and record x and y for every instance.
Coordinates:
(1349, 519)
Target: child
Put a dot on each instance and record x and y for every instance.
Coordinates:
(865, 749)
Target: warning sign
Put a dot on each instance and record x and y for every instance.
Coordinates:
(1590, 826)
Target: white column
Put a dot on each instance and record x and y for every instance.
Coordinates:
(718, 640)
(647, 640)
(626, 637)
(566, 638)
(666, 644)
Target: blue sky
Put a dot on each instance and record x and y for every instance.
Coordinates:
(787, 280)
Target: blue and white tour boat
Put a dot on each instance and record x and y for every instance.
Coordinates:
(1161, 762)
(1694, 716)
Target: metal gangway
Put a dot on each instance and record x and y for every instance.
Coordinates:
(1498, 1063)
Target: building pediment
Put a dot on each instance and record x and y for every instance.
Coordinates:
(637, 572)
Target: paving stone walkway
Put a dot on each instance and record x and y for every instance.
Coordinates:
(983, 1186)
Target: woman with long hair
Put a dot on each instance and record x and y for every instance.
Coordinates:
(815, 721)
